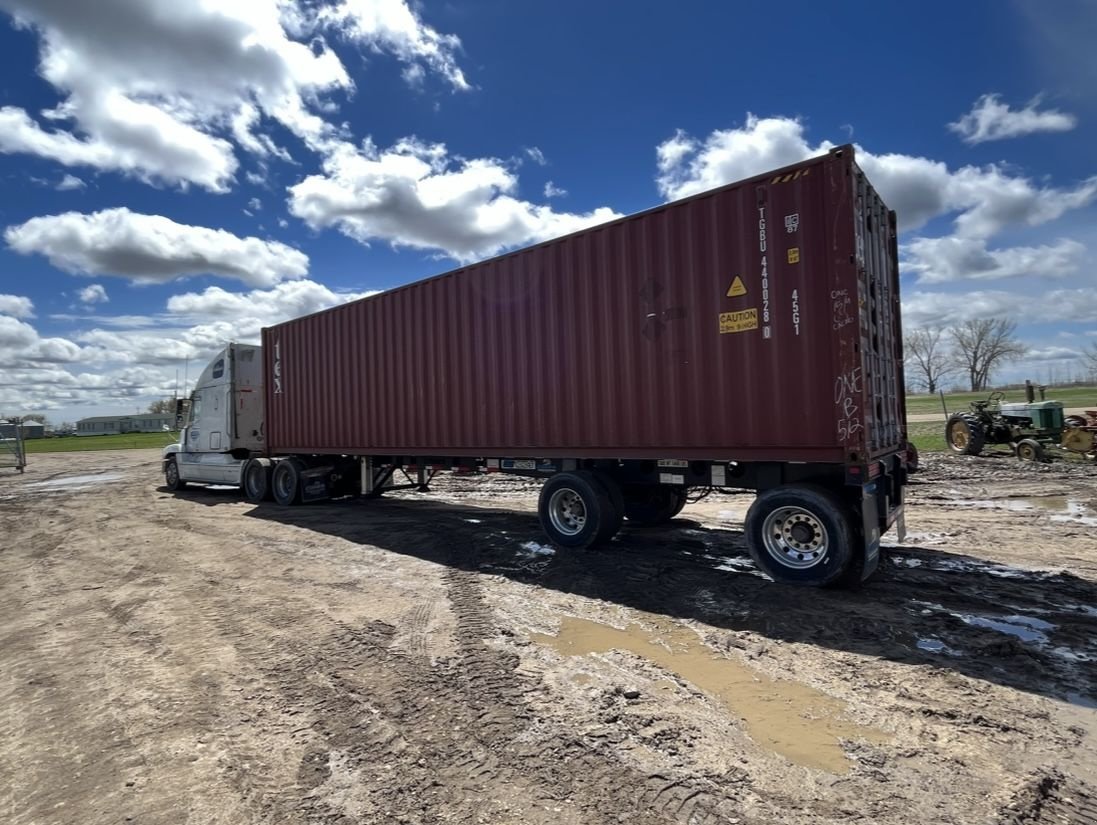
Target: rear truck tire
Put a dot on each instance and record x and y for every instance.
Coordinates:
(649, 505)
(964, 434)
(171, 476)
(256, 480)
(801, 534)
(575, 509)
(285, 482)
(683, 499)
(1029, 449)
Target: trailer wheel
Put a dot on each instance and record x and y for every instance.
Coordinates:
(964, 434)
(171, 476)
(574, 509)
(1029, 449)
(256, 480)
(649, 505)
(800, 534)
(285, 482)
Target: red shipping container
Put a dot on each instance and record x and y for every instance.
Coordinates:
(754, 322)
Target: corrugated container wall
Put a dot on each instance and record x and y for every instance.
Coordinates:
(755, 321)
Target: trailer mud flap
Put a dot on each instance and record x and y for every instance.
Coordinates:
(870, 530)
(315, 483)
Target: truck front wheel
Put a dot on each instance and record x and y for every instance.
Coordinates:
(800, 534)
(285, 482)
(576, 510)
(171, 476)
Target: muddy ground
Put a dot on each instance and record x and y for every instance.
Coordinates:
(193, 658)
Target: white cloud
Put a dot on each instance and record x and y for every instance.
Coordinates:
(69, 183)
(939, 260)
(985, 199)
(945, 308)
(393, 26)
(157, 97)
(255, 204)
(413, 194)
(93, 294)
(536, 155)
(990, 119)
(268, 306)
(152, 248)
(554, 191)
(17, 306)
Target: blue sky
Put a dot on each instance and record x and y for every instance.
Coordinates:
(174, 177)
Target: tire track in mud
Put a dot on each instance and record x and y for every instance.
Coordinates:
(1052, 799)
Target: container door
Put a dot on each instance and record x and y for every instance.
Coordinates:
(882, 334)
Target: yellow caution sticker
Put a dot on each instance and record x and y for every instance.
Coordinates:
(794, 255)
(736, 289)
(740, 321)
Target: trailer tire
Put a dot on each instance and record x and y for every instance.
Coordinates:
(650, 505)
(256, 480)
(171, 476)
(964, 434)
(801, 534)
(285, 482)
(575, 509)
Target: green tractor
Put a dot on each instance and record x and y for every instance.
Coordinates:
(1026, 427)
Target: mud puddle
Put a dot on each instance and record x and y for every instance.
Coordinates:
(77, 482)
(804, 725)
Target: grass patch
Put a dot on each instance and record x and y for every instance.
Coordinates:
(958, 401)
(80, 443)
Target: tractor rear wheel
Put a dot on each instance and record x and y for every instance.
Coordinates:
(964, 434)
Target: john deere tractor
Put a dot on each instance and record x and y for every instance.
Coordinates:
(1026, 427)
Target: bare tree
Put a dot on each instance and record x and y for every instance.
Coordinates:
(982, 345)
(165, 406)
(929, 358)
(39, 417)
(1089, 358)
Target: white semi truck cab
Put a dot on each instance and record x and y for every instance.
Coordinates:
(224, 427)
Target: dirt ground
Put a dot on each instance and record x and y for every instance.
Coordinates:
(193, 658)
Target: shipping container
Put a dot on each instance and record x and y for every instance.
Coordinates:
(757, 321)
(748, 336)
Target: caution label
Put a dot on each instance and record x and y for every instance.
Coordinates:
(739, 321)
(794, 255)
(736, 289)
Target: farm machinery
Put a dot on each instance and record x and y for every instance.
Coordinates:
(1030, 428)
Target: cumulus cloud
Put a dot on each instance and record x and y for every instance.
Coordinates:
(945, 308)
(268, 306)
(152, 248)
(985, 199)
(554, 191)
(939, 260)
(413, 194)
(16, 306)
(69, 183)
(991, 119)
(159, 97)
(93, 294)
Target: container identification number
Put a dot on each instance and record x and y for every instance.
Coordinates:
(767, 331)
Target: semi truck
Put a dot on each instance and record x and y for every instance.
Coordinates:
(745, 337)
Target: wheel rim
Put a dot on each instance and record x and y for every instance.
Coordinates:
(1026, 453)
(567, 512)
(795, 537)
(960, 436)
(172, 473)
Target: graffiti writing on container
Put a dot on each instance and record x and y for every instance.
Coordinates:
(847, 391)
(841, 304)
